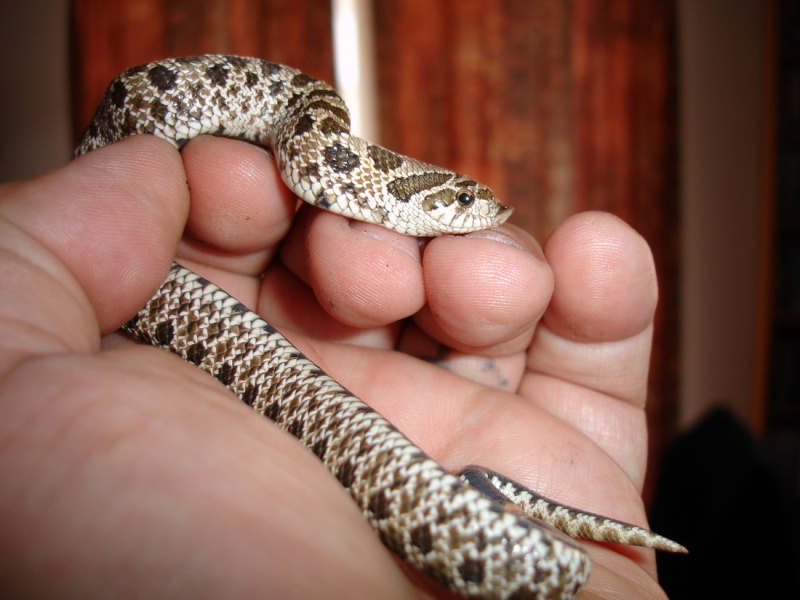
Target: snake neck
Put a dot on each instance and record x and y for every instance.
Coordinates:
(307, 126)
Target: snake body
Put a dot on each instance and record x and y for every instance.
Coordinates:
(472, 532)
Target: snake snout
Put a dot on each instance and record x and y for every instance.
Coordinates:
(503, 213)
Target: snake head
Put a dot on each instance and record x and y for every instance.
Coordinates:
(462, 205)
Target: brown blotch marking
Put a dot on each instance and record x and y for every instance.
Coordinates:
(378, 505)
(405, 187)
(422, 538)
(440, 199)
(320, 448)
(481, 541)
(471, 570)
(297, 428)
(304, 124)
(238, 308)
(134, 71)
(312, 171)
(302, 80)
(250, 394)
(385, 160)
(330, 126)
(276, 88)
(272, 411)
(326, 106)
(196, 353)
(238, 62)
(251, 79)
(162, 77)
(218, 74)
(541, 575)
(522, 594)
(220, 100)
(226, 373)
(293, 100)
(484, 193)
(346, 473)
(341, 159)
(324, 93)
(118, 93)
(468, 183)
(270, 68)
(164, 333)
(93, 129)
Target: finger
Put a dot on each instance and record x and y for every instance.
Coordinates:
(368, 276)
(88, 243)
(240, 207)
(606, 288)
(363, 275)
(486, 291)
(589, 360)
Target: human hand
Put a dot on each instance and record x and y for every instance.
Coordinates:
(127, 471)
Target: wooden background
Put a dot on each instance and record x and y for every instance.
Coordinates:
(559, 105)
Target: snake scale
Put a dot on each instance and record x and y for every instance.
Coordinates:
(477, 533)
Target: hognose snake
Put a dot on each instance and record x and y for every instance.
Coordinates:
(467, 531)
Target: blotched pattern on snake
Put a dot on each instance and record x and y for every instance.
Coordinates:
(467, 531)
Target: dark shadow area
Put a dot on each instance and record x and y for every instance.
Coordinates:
(719, 496)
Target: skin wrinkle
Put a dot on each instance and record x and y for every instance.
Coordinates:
(25, 272)
(624, 364)
(613, 425)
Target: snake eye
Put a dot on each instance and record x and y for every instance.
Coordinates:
(465, 198)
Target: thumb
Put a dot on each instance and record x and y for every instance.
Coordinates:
(92, 240)
(84, 247)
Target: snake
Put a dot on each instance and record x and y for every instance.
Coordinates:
(476, 532)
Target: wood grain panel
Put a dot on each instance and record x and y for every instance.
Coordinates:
(626, 156)
(109, 37)
(560, 106)
(479, 87)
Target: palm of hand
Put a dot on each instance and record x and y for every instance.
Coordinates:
(174, 486)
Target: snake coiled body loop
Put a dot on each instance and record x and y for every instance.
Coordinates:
(477, 533)
(431, 518)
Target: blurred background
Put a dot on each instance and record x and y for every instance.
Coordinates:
(682, 117)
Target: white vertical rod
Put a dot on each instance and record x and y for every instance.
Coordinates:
(354, 63)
